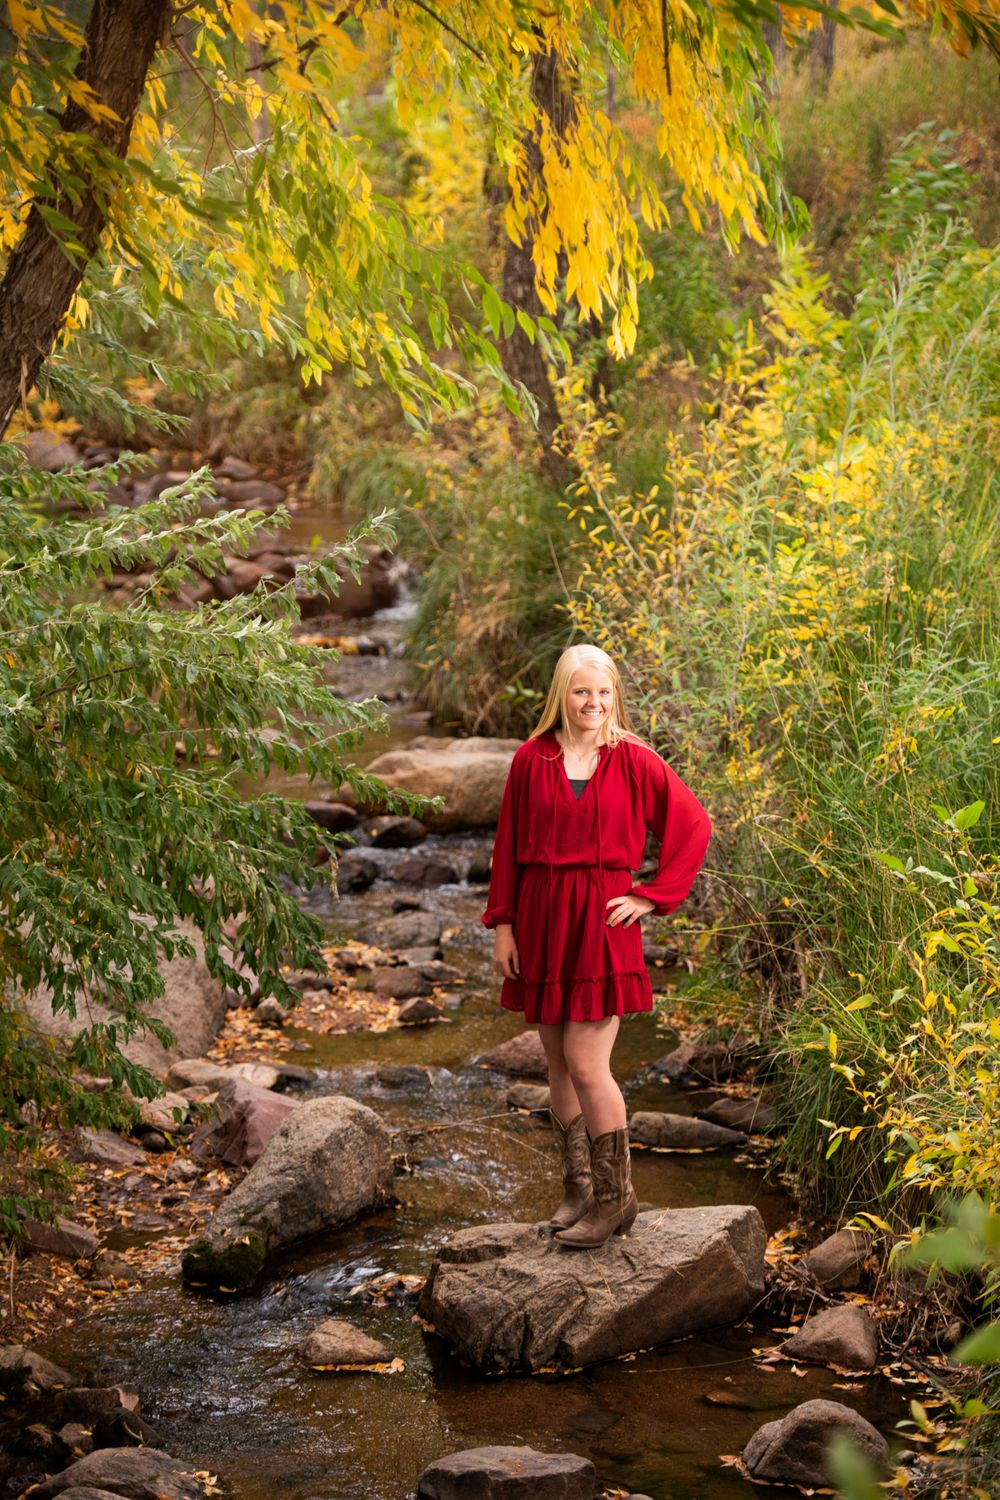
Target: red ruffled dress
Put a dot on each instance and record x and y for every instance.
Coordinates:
(557, 861)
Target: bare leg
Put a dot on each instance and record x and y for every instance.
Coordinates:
(586, 1049)
(563, 1099)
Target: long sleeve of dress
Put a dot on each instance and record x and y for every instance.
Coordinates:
(674, 815)
(505, 872)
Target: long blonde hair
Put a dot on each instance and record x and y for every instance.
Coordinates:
(616, 726)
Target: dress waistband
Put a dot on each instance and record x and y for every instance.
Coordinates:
(571, 865)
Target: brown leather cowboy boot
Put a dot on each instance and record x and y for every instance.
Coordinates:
(574, 1150)
(615, 1205)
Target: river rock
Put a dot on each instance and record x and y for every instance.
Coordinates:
(23, 1370)
(327, 1163)
(682, 1133)
(408, 929)
(355, 871)
(335, 817)
(259, 493)
(105, 1146)
(470, 774)
(409, 1076)
(793, 1450)
(64, 1238)
(158, 1114)
(523, 1056)
(838, 1263)
(243, 1120)
(338, 1342)
(88, 1404)
(392, 982)
(393, 832)
(705, 1062)
(508, 1474)
(741, 1114)
(49, 451)
(842, 1336)
(529, 1096)
(136, 1473)
(509, 1297)
(192, 1005)
(424, 872)
(202, 1072)
(419, 1009)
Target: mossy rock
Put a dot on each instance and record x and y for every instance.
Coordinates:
(230, 1265)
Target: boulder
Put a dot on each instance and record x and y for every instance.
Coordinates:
(232, 467)
(135, 1473)
(793, 1450)
(508, 1474)
(242, 1121)
(838, 1262)
(705, 1062)
(843, 1336)
(192, 1006)
(63, 1238)
(529, 1096)
(418, 1010)
(424, 871)
(741, 1114)
(251, 492)
(23, 1370)
(408, 1076)
(393, 832)
(470, 774)
(327, 1163)
(509, 1297)
(523, 1056)
(408, 929)
(335, 817)
(681, 1133)
(88, 1404)
(392, 982)
(338, 1342)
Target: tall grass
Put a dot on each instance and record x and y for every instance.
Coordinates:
(807, 602)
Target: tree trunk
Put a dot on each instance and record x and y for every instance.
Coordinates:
(821, 54)
(42, 277)
(523, 360)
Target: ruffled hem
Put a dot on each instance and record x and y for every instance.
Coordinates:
(551, 1001)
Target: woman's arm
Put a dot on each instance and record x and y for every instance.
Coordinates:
(671, 812)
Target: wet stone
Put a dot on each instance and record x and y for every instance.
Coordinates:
(390, 832)
(838, 1263)
(406, 1076)
(682, 1133)
(140, 1473)
(335, 817)
(750, 1115)
(794, 1449)
(508, 1474)
(338, 1342)
(424, 871)
(400, 983)
(523, 1056)
(843, 1336)
(418, 1010)
(410, 929)
(531, 1096)
(355, 872)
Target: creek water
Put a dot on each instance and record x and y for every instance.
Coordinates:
(220, 1377)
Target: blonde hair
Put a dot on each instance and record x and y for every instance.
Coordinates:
(616, 726)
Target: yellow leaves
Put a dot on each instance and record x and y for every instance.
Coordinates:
(82, 94)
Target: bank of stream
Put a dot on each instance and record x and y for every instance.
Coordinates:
(220, 1376)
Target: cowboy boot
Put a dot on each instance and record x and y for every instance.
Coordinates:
(615, 1205)
(574, 1151)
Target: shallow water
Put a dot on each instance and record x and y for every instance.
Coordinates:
(220, 1377)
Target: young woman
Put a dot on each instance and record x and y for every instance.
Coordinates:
(580, 795)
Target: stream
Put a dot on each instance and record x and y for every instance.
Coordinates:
(220, 1377)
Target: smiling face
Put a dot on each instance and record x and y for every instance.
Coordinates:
(589, 700)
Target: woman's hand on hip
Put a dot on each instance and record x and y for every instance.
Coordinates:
(624, 910)
(505, 951)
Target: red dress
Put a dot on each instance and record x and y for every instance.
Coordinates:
(557, 861)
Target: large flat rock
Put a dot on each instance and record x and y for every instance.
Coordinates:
(508, 1297)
